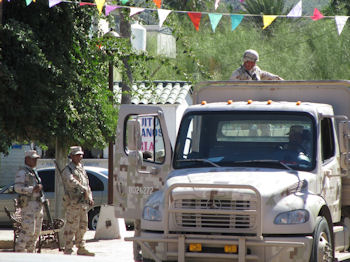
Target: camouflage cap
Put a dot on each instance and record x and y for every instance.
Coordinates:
(76, 150)
(31, 154)
(250, 55)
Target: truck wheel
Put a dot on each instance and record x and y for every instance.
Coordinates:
(322, 247)
(93, 215)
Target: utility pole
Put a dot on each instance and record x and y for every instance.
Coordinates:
(1, 10)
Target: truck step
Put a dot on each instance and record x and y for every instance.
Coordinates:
(342, 256)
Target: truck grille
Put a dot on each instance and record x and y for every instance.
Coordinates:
(237, 221)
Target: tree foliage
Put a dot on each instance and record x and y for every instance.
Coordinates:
(54, 77)
(295, 49)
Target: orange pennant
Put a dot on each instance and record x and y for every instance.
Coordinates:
(195, 18)
(158, 3)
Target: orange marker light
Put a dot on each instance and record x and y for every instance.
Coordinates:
(229, 102)
(269, 102)
(204, 102)
(298, 103)
(195, 247)
(250, 101)
(231, 249)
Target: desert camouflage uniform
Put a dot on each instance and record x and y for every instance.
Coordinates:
(31, 210)
(254, 74)
(77, 183)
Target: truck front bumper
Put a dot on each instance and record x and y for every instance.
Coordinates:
(179, 247)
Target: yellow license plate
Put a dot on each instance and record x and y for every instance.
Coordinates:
(195, 247)
(231, 249)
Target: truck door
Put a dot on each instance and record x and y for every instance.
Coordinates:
(331, 176)
(133, 184)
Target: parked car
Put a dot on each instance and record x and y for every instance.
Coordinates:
(98, 178)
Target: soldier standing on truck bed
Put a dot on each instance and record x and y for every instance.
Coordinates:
(250, 71)
(76, 202)
(30, 202)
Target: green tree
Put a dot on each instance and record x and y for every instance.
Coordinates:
(54, 78)
(338, 7)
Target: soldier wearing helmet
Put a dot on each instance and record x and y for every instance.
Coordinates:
(250, 71)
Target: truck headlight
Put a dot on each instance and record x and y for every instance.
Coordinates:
(151, 211)
(298, 216)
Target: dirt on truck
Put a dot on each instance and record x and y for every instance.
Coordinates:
(257, 171)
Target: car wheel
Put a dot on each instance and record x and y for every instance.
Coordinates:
(94, 215)
(322, 246)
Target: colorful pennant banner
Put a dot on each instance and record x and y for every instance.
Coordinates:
(195, 18)
(340, 21)
(296, 10)
(99, 4)
(158, 3)
(162, 15)
(214, 18)
(317, 15)
(268, 19)
(136, 10)
(217, 2)
(110, 8)
(235, 21)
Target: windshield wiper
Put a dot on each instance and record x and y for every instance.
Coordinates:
(264, 162)
(198, 160)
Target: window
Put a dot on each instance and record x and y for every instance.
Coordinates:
(327, 137)
(230, 138)
(48, 180)
(152, 143)
(95, 183)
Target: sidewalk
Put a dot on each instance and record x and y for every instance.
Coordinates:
(110, 249)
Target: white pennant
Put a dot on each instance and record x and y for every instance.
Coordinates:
(340, 22)
(135, 10)
(296, 11)
(162, 15)
(217, 4)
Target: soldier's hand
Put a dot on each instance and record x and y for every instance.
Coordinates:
(37, 188)
(91, 202)
(86, 195)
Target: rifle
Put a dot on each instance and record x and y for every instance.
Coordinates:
(46, 207)
(67, 192)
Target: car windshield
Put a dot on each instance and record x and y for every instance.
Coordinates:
(254, 139)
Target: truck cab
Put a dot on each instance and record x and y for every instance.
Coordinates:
(257, 173)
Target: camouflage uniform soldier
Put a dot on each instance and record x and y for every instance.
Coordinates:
(250, 71)
(76, 202)
(29, 200)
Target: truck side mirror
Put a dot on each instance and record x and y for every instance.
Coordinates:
(344, 144)
(134, 142)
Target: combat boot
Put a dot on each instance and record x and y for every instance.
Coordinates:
(84, 252)
(68, 251)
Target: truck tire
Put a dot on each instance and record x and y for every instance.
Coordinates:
(322, 247)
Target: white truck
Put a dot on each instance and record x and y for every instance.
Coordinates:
(259, 172)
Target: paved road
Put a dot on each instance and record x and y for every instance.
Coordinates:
(106, 250)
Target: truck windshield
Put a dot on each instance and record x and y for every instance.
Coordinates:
(253, 139)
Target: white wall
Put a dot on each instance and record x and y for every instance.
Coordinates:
(9, 164)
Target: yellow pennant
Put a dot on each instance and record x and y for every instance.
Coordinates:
(268, 19)
(100, 4)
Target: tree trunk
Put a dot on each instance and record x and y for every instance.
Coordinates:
(61, 159)
(1, 10)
